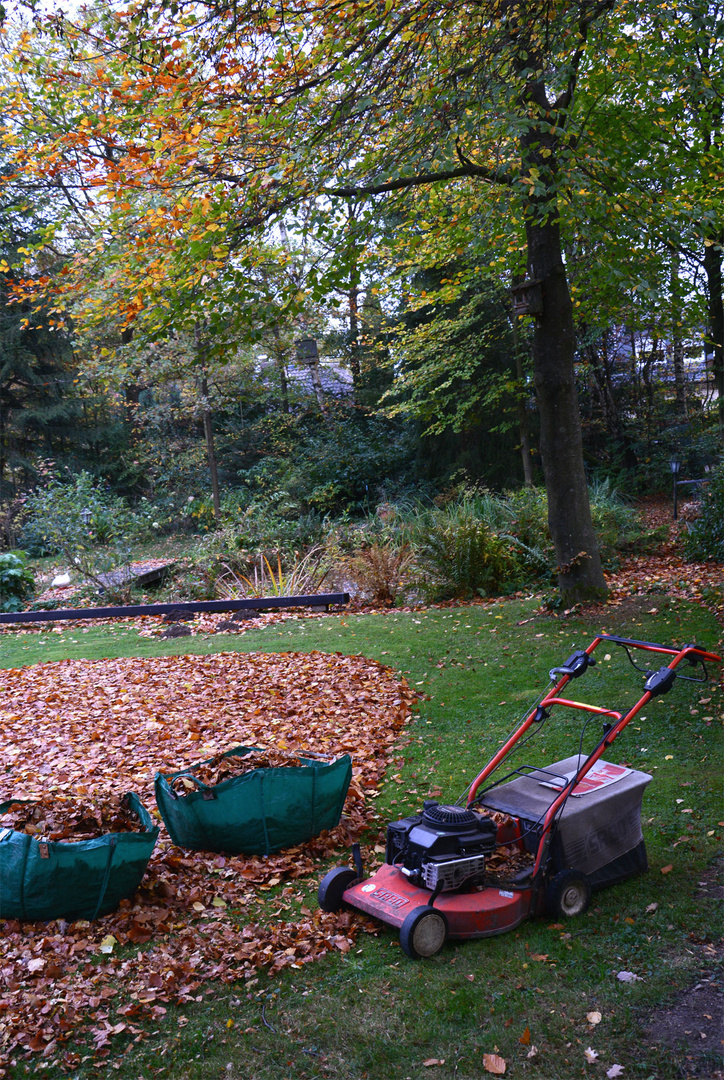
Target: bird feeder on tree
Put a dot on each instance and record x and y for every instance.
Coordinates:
(528, 297)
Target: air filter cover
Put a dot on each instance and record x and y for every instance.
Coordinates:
(451, 817)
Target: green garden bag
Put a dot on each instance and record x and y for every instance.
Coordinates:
(258, 812)
(72, 880)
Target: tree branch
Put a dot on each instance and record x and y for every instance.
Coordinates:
(467, 169)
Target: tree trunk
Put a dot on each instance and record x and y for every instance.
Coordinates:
(599, 362)
(677, 342)
(715, 334)
(281, 368)
(580, 576)
(354, 361)
(522, 410)
(317, 384)
(210, 449)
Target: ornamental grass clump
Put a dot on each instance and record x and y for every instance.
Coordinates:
(379, 569)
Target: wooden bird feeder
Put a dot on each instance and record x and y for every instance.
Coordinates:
(528, 297)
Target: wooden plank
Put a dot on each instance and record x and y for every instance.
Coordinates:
(138, 574)
(185, 607)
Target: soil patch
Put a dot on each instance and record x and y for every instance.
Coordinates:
(692, 1025)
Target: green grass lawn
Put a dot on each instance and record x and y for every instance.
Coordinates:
(374, 1013)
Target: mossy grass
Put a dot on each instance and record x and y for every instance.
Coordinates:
(372, 1013)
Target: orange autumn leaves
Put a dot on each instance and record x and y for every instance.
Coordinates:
(101, 728)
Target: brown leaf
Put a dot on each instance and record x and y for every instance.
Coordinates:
(101, 728)
(493, 1063)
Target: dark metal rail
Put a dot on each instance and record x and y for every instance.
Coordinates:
(182, 607)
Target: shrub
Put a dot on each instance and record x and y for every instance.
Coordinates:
(706, 538)
(89, 527)
(56, 517)
(16, 581)
(614, 518)
(378, 570)
(460, 554)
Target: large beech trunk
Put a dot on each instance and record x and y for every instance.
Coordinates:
(580, 576)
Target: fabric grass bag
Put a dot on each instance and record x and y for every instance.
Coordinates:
(259, 810)
(64, 879)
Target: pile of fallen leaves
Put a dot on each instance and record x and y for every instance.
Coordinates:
(50, 818)
(77, 729)
(225, 767)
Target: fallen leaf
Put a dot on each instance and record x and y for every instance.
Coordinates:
(433, 1061)
(614, 1071)
(493, 1063)
(652, 908)
(667, 869)
(79, 712)
(525, 1037)
(532, 1052)
(590, 1055)
(593, 1017)
(628, 976)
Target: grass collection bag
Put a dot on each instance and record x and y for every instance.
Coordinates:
(259, 811)
(42, 878)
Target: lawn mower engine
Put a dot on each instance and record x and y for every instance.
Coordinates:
(443, 848)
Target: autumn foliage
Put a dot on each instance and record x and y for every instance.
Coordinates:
(96, 729)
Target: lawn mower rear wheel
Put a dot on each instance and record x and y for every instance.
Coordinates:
(568, 894)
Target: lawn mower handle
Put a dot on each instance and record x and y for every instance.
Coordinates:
(657, 683)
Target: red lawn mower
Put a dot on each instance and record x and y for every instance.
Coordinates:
(567, 828)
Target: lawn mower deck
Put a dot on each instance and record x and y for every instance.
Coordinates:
(561, 830)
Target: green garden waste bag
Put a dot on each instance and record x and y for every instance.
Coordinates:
(257, 812)
(63, 879)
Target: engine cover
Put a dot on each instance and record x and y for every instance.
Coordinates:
(444, 847)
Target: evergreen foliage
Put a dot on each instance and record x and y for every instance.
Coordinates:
(706, 538)
(16, 581)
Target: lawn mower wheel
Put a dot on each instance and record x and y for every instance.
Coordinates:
(423, 933)
(568, 894)
(332, 887)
